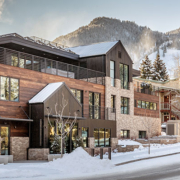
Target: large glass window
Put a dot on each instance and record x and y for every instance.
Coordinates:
(102, 137)
(124, 133)
(94, 105)
(9, 89)
(124, 105)
(84, 135)
(14, 60)
(112, 72)
(78, 94)
(142, 134)
(124, 75)
(147, 105)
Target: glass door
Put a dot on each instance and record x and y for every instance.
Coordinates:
(4, 131)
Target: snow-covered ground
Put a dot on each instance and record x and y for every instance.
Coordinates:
(168, 59)
(80, 164)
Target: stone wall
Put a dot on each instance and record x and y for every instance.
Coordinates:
(38, 153)
(18, 147)
(129, 121)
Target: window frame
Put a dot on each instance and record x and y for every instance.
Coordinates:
(112, 78)
(104, 137)
(125, 106)
(122, 75)
(10, 89)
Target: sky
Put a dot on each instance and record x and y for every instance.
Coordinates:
(49, 19)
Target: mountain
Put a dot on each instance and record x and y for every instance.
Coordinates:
(138, 40)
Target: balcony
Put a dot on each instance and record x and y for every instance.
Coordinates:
(49, 66)
(165, 106)
(99, 112)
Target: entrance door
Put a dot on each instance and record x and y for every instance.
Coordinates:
(4, 132)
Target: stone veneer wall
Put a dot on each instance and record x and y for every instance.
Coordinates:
(18, 147)
(129, 121)
(38, 153)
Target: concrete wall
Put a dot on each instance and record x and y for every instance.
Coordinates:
(38, 153)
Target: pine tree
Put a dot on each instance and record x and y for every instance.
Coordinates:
(146, 68)
(159, 70)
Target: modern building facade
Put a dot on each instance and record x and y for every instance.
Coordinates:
(97, 82)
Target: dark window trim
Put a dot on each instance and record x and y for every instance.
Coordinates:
(10, 89)
(125, 106)
(145, 105)
(104, 137)
(123, 75)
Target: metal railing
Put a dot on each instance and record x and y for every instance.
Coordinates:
(165, 106)
(49, 66)
(146, 91)
(99, 112)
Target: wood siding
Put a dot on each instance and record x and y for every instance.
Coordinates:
(112, 55)
(148, 98)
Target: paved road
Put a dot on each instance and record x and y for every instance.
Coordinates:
(164, 173)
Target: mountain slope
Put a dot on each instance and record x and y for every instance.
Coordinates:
(138, 40)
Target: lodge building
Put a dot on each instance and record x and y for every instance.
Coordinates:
(97, 82)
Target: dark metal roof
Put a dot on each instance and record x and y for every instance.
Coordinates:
(38, 44)
(15, 119)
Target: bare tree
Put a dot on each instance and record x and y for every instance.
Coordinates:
(61, 122)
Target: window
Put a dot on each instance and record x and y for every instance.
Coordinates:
(112, 72)
(142, 134)
(9, 89)
(84, 135)
(146, 105)
(139, 104)
(125, 133)
(151, 106)
(14, 60)
(102, 137)
(112, 103)
(143, 104)
(124, 105)
(154, 106)
(119, 54)
(124, 75)
(94, 105)
(78, 94)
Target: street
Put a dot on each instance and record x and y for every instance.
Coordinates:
(171, 172)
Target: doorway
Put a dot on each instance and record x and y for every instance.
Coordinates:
(5, 140)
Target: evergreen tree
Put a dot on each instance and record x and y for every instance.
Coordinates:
(159, 70)
(146, 68)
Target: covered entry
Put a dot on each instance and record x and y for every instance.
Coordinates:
(45, 127)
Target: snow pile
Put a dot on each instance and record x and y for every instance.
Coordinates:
(128, 142)
(79, 161)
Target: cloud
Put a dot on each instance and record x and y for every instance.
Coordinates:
(1, 8)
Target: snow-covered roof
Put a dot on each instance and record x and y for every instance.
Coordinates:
(93, 49)
(45, 92)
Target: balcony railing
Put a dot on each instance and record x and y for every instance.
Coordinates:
(99, 112)
(165, 106)
(49, 66)
(146, 91)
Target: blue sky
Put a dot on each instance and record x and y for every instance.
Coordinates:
(49, 19)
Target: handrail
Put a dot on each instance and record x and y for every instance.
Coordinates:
(51, 66)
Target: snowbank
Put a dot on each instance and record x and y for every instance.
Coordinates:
(79, 161)
(128, 142)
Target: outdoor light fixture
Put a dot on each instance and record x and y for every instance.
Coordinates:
(15, 127)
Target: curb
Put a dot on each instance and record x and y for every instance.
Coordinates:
(128, 162)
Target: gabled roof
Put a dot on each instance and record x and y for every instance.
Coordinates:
(46, 92)
(93, 49)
